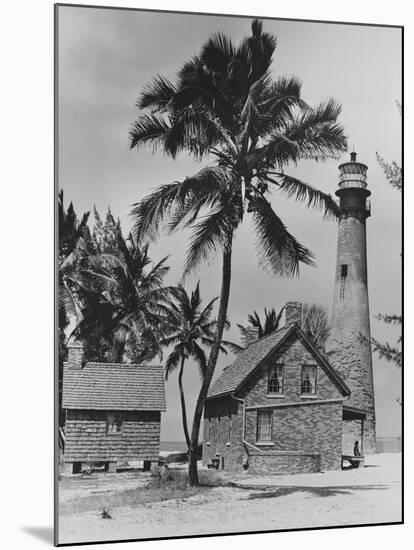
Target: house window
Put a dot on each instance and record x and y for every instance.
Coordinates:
(113, 424)
(275, 379)
(264, 425)
(308, 385)
(229, 432)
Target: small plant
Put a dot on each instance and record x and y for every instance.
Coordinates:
(105, 514)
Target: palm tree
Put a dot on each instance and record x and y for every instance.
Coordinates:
(259, 329)
(193, 331)
(225, 103)
(124, 300)
(73, 240)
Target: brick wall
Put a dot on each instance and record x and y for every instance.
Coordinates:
(292, 355)
(307, 434)
(349, 341)
(313, 429)
(222, 433)
(280, 463)
(87, 439)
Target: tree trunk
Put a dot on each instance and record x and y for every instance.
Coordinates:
(214, 353)
(183, 409)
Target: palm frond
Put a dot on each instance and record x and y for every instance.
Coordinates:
(157, 95)
(150, 212)
(217, 53)
(171, 363)
(280, 252)
(209, 235)
(152, 129)
(317, 134)
(303, 192)
(200, 359)
(232, 346)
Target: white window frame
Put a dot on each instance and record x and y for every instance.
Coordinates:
(314, 380)
(262, 413)
(272, 369)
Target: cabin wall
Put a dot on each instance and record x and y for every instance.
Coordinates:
(87, 439)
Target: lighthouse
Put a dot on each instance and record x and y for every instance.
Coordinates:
(349, 345)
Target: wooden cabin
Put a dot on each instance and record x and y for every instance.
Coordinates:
(113, 413)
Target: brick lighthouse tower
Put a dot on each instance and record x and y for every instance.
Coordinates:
(349, 343)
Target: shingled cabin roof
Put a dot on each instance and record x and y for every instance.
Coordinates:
(114, 386)
(247, 361)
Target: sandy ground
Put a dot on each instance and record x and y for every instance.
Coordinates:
(350, 497)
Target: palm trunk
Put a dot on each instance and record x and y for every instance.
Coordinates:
(183, 409)
(214, 353)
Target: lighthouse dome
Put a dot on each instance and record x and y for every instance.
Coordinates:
(353, 174)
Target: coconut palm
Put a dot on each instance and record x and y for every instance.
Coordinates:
(73, 240)
(226, 104)
(193, 332)
(123, 297)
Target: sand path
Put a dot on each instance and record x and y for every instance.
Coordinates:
(366, 495)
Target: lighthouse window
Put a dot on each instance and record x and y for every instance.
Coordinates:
(344, 273)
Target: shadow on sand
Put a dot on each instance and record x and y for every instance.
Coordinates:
(317, 491)
(44, 534)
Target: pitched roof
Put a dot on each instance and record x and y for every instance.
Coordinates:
(247, 361)
(114, 386)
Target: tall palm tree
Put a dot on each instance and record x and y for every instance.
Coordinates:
(225, 103)
(193, 331)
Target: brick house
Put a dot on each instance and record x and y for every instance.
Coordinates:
(113, 412)
(278, 407)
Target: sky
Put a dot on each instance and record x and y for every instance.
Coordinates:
(107, 56)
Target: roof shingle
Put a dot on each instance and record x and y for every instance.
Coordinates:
(245, 362)
(114, 386)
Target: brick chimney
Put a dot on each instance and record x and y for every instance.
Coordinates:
(75, 355)
(293, 313)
